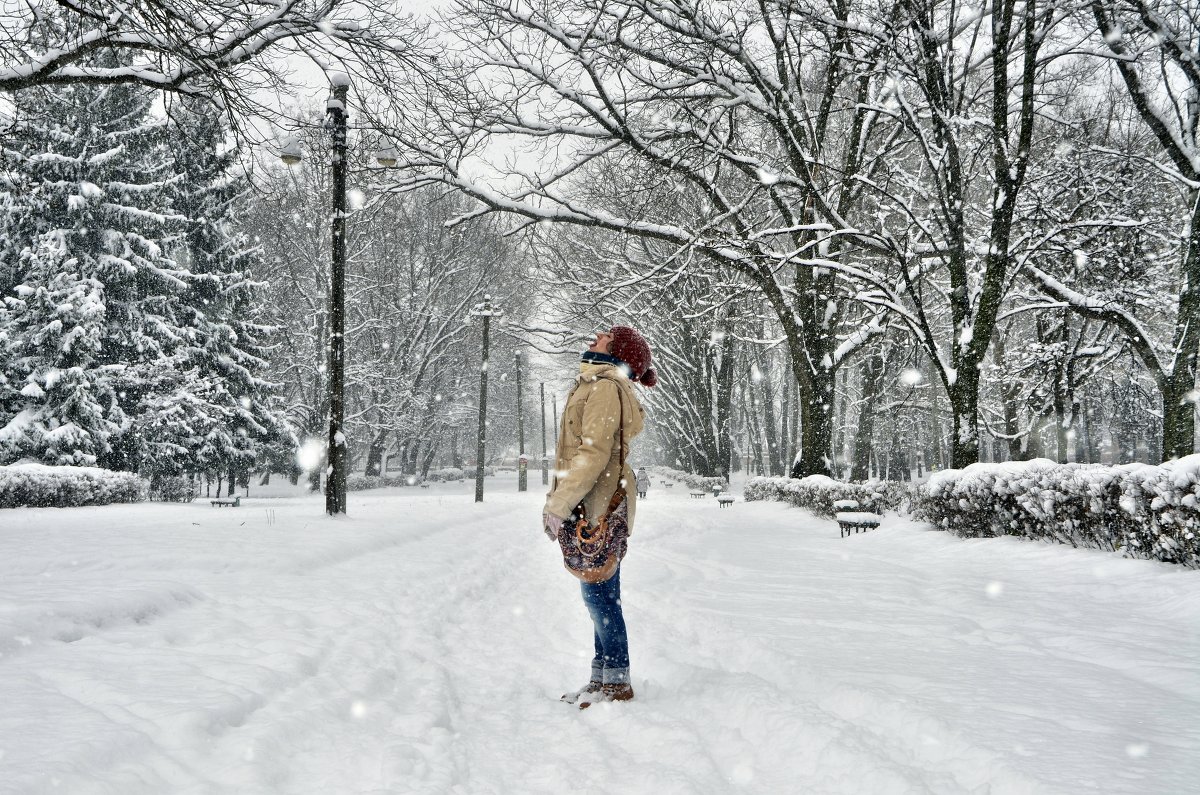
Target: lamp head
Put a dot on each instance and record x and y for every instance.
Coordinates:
(290, 151)
(386, 156)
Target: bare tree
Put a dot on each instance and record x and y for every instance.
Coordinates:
(1155, 47)
(226, 50)
(720, 102)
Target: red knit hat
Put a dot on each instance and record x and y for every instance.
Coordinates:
(632, 348)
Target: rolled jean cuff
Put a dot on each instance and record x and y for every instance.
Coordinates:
(615, 676)
(598, 671)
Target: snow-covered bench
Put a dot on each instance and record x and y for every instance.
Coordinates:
(698, 495)
(234, 502)
(851, 520)
(725, 501)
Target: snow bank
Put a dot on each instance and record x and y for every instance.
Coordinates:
(1143, 511)
(41, 486)
(820, 494)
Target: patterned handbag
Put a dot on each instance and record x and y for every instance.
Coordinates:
(593, 553)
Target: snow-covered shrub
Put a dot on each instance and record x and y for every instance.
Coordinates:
(818, 493)
(38, 485)
(693, 482)
(364, 482)
(172, 489)
(1143, 511)
(448, 474)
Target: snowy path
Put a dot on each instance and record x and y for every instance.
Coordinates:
(181, 648)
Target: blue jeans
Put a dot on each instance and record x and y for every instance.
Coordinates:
(603, 600)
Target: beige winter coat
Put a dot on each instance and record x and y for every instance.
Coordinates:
(587, 458)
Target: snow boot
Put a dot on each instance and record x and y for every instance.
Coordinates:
(573, 697)
(613, 692)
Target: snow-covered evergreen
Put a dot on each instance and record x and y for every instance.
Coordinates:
(129, 327)
(90, 315)
(215, 412)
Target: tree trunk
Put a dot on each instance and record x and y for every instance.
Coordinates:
(794, 439)
(1062, 422)
(865, 427)
(375, 453)
(937, 459)
(1083, 437)
(785, 429)
(753, 429)
(1178, 426)
(724, 407)
(774, 456)
(899, 468)
(964, 409)
(428, 458)
(816, 432)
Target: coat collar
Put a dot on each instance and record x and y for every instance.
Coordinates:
(600, 358)
(591, 371)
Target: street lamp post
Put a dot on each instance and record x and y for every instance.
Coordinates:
(545, 462)
(522, 464)
(335, 488)
(291, 154)
(337, 454)
(554, 405)
(486, 310)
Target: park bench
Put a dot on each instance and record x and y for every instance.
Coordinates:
(851, 520)
(666, 484)
(697, 495)
(232, 502)
(724, 501)
(424, 485)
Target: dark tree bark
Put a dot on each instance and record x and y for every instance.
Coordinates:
(375, 450)
(872, 381)
(725, 408)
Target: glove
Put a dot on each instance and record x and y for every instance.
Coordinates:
(551, 524)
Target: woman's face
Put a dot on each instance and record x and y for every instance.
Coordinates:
(602, 343)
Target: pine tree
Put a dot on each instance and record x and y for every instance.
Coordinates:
(91, 324)
(220, 413)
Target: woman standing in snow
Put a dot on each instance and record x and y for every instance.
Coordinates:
(599, 419)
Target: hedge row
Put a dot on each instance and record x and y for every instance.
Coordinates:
(41, 486)
(693, 482)
(1143, 511)
(364, 482)
(444, 475)
(818, 493)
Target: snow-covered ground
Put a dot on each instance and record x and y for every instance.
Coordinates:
(421, 644)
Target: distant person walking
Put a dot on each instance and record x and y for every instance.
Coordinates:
(643, 482)
(599, 419)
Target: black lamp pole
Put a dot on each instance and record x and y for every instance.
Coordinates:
(337, 454)
(335, 487)
(487, 311)
(522, 464)
(545, 461)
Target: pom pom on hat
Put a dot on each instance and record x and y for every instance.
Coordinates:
(631, 347)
